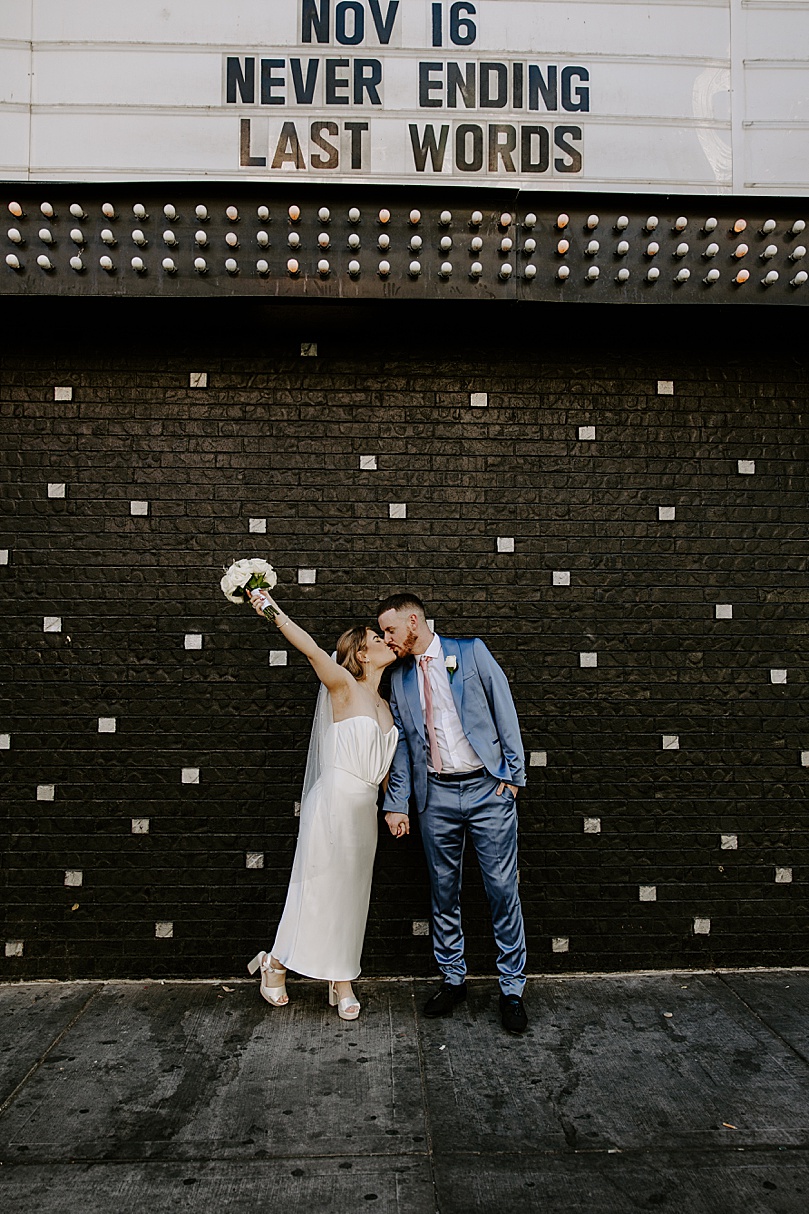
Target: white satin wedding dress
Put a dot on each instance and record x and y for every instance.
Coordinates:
(323, 925)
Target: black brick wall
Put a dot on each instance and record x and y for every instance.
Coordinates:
(278, 436)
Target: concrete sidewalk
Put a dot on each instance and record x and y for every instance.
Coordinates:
(671, 1092)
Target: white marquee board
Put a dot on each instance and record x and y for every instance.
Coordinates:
(690, 96)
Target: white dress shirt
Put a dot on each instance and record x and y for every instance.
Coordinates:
(456, 753)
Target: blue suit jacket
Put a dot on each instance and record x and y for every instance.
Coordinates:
(483, 700)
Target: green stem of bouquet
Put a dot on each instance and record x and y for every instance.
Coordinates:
(257, 583)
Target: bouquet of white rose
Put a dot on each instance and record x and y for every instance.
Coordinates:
(244, 576)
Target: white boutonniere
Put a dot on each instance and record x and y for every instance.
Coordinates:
(451, 665)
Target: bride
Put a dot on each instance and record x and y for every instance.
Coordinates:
(353, 741)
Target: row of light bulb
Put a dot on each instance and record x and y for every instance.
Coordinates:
(505, 271)
(505, 219)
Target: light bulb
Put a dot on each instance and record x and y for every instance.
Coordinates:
(323, 240)
(168, 237)
(138, 265)
(169, 211)
(622, 275)
(711, 277)
(680, 223)
(563, 272)
(354, 268)
(742, 277)
(353, 241)
(76, 211)
(384, 241)
(651, 223)
(139, 211)
(384, 269)
(323, 267)
(506, 244)
(767, 227)
(562, 247)
(294, 240)
(46, 236)
(652, 274)
(12, 261)
(652, 248)
(445, 219)
(107, 236)
(416, 243)
(384, 215)
(46, 209)
(414, 217)
(505, 219)
(232, 265)
(476, 219)
(324, 214)
(682, 275)
(445, 244)
(710, 224)
(44, 262)
(15, 209)
(262, 266)
(739, 226)
(681, 250)
(139, 238)
(530, 271)
(294, 213)
(592, 248)
(77, 236)
(201, 213)
(770, 251)
(530, 220)
(168, 265)
(445, 269)
(200, 265)
(506, 270)
(741, 250)
(770, 278)
(711, 250)
(201, 237)
(414, 269)
(530, 245)
(797, 253)
(15, 235)
(354, 215)
(106, 263)
(622, 248)
(77, 264)
(263, 214)
(476, 244)
(796, 229)
(232, 240)
(263, 239)
(232, 214)
(622, 223)
(562, 221)
(799, 279)
(592, 222)
(476, 269)
(108, 210)
(593, 273)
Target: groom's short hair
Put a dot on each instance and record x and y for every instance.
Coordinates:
(401, 602)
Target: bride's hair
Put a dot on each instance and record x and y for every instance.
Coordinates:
(348, 646)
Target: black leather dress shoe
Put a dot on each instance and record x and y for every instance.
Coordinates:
(512, 1013)
(444, 999)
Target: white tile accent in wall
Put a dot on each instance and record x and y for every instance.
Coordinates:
(14, 948)
(164, 930)
(52, 623)
(74, 877)
(192, 640)
(746, 467)
(397, 509)
(724, 611)
(198, 379)
(805, 758)
(139, 509)
(505, 543)
(729, 842)
(63, 393)
(257, 526)
(702, 927)
(140, 826)
(588, 660)
(308, 349)
(671, 741)
(560, 577)
(107, 724)
(307, 577)
(5, 741)
(592, 826)
(538, 758)
(254, 859)
(647, 893)
(189, 775)
(368, 463)
(587, 433)
(421, 927)
(666, 514)
(560, 944)
(479, 400)
(4, 556)
(56, 489)
(778, 676)
(665, 387)
(279, 657)
(46, 792)
(783, 876)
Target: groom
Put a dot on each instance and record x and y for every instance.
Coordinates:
(460, 758)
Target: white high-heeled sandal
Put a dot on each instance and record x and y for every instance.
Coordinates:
(343, 1005)
(274, 992)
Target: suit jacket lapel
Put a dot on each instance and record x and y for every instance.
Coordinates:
(410, 686)
(452, 648)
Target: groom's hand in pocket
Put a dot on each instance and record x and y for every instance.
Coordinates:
(502, 785)
(398, 825)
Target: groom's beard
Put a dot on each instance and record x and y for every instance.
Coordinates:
(404, 648)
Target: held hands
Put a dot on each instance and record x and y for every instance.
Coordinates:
(398, 825)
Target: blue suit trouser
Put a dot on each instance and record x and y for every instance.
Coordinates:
(453, 811)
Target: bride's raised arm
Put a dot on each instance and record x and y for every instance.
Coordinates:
(334, 677)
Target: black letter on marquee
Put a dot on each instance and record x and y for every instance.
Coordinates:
(559, 133)
(355, 130)
(332, 157)
(245, 159)
(304, 92)
(428, 146)
(465, 85)
(367, 78)
(340, 30)
(288, 148)
(500, 98)
(527, 163)
(384, 29)
(502, 142)
(582, 101)
(427, 86)
(312, 19)
(245, 83)
(270, 82)
(537, 85)
(335, 82)
(475, 163)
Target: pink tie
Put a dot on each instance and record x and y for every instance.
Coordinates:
(435, 754)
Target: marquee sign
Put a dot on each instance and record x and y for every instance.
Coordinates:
(703, 97)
